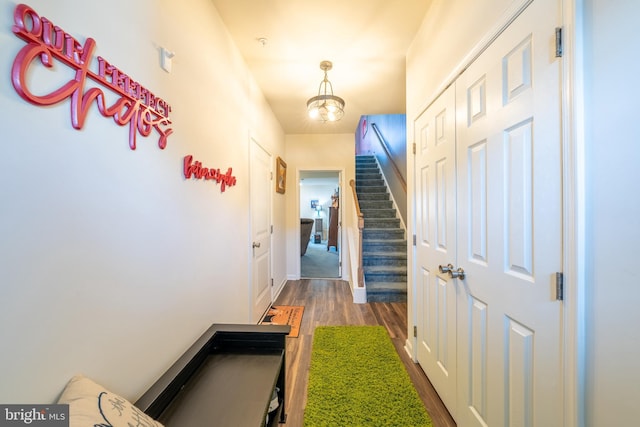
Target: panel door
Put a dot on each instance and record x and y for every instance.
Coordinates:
(509, 239)
(436, 244)
(260, 176)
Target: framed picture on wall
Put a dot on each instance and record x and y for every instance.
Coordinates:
(314, 204)
(281, 176)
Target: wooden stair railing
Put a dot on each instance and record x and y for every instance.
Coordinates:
(360, 216)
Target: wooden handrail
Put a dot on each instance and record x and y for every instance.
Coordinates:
(386, 150)
(359, 213)
(360, 216)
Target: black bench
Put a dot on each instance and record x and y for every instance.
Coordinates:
(226, 378)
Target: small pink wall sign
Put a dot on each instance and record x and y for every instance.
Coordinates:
(197, 171)
(49, 44)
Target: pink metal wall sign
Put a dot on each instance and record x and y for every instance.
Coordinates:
(135, 105)
(195, 170)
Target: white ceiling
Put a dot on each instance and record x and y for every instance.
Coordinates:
(366, 40)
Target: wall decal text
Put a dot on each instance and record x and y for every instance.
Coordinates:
(196, 170)
(136, 105)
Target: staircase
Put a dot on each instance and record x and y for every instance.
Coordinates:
(384, 246)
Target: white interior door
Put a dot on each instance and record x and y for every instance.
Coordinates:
(436, 245)
(509, 239)
(260, 190)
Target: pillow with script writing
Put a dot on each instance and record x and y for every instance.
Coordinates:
(91, 405)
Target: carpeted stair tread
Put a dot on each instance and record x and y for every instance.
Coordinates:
(385, 254)
(389, 253)
(370, 181)
(385, 241)
(373, 196)
(386, 269)
(387, 295)
(382, 233)
(386, 245)
(387, 286)
(374, 202)
(371, 189)
(395, 259)
(382, 222)
(385, 273)
(366, 205)
(387, 292)
(390, 250)
(378, 213)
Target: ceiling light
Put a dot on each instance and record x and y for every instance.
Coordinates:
(325, 107)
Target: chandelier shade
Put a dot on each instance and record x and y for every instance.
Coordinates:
(325, 107)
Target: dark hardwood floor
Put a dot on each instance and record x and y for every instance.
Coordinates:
(329, 302)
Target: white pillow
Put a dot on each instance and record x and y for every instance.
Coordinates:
(92, 405)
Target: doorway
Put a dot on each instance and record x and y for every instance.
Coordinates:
(319, 213)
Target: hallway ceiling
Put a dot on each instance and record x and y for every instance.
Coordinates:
(366, 40)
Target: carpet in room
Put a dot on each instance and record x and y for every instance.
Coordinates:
(356, 378)
(318, 262)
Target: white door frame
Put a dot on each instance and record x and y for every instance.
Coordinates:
(574, 263)
(573, 175)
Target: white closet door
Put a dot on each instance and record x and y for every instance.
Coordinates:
(509, 236)
(435, 179)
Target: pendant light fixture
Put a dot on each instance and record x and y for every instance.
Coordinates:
(325, 107)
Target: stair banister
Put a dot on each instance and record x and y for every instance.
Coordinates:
(385, 146)
(360, 216)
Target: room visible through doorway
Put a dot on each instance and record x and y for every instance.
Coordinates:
(319, 224)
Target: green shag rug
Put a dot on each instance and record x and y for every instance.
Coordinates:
(356, 378)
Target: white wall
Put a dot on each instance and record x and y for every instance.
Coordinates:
(612, 144)
(316, 152)
(111, 263)
(449, 31)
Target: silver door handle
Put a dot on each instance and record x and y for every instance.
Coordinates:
(256, 245)
(457, 274)
(453, 273)
(445, 268)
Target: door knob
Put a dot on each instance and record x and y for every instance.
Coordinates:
(453, 273)
(445, 268)
(256, 245)
(457, 274)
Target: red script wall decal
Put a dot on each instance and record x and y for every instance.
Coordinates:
(137, 106)
(195, 170)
